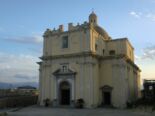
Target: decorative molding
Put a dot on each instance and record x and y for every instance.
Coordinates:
(106, 88)
(59, 73)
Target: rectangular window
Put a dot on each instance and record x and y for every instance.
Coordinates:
(103, 51)
(65, 42)
(64, 67)
(112, 52)
(96, 47)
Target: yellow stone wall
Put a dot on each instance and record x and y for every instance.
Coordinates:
(78, 42)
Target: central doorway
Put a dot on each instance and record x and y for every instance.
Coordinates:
(64, 93)
(107, 98)
(106, 95)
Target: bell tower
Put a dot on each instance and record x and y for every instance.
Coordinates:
(93, 18)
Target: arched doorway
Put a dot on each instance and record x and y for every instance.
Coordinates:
(64, 93)
(106, 95)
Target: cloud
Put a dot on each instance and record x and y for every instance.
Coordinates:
(137, 57)
(36, 39)
(24, 77)
(18, 68)
(150, 16)
(148, 53)
(135, 14)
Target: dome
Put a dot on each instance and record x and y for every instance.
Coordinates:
(102, 32)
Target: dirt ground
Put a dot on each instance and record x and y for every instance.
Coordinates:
(42, 111)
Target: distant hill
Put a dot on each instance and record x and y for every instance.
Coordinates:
(15, 85)
(27, 87)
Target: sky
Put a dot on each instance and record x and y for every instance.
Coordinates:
(23, 22)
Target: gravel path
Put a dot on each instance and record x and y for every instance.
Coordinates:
(42, 111)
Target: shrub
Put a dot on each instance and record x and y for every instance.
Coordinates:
(80, 103)
(129, 104)
(46, 102)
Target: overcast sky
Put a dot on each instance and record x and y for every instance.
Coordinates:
(22, 23)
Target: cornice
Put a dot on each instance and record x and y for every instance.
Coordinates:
(92, 54)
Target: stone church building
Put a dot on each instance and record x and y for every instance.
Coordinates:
(85, 62)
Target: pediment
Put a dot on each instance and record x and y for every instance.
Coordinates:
(60, 72)
(107, 88)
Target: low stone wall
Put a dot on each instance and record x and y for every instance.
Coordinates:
(3, 114)
(18, 101)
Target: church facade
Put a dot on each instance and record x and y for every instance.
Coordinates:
(84, 62)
